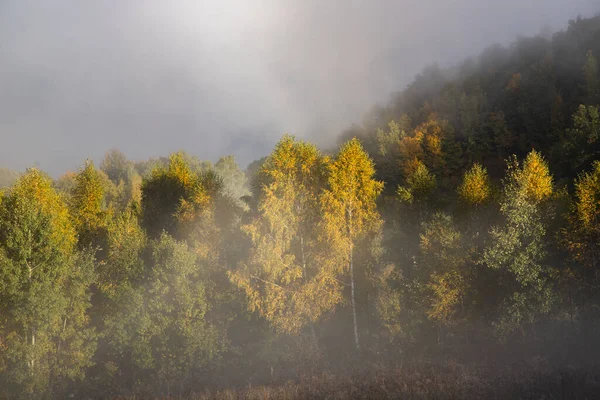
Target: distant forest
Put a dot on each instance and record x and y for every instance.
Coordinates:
(461, 221)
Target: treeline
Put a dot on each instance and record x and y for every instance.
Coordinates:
(474, 226)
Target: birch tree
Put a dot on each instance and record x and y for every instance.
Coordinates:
(284, 276)
(349, 209)
(44, 290)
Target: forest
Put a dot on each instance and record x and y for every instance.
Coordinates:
(451, 236)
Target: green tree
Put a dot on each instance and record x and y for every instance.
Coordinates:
(582, 239)
(446, 262)
(590, 75)
(123, 175)
(171, 195)
(234, 179)
(44, 294)
(517, 248)
(582, 144)
(123, 267)
(161, 328)
(88, 206)
(116, 166)
(419, 186)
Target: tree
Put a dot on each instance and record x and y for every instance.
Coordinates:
(590, 75)
(123, 267)
(65, 183)
(582, 238)
(160, 328)
(475, 189)
(88, 206)
(349, 208)
(123, 175)
(170, 196)
(44, 293)
(446, 262)
(582, 144)
(234, 179)
(389, 141)
(518, 247)
(284, 278)
(419, 185)
(116, 166)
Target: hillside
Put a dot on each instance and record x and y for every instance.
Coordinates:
(451, 240)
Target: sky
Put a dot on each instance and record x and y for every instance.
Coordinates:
(219, 77)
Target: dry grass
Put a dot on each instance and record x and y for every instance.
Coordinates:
(449, 381)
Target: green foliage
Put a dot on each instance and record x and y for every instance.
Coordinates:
(44, 296)
(170, 196)
(518, 247)
(116, 166)
(234, 180)
(198, 274)
(447, 259)
(88, 206)
(123, 182)
(590, 74)
(582, 144)
(123, 268)
(161, 328)
(420, 185)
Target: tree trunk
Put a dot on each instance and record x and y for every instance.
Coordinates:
(314, 336)
(32, 362)
(303, 258)
(356, 341)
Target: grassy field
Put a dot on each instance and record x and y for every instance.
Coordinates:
(448, 381)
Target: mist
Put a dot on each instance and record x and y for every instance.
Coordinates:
(431, 231)
(224, 77)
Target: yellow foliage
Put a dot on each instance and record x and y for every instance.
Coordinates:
(587, 193)
(34, 189)
(448, 291)
(286, 278)
(475, 188)
(534, 178)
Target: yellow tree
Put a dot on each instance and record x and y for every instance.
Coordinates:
(582, 235)
(283, 276)
(446, 262)
(87, 205)
(474, 193)
(475, 189)
(349, 209)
